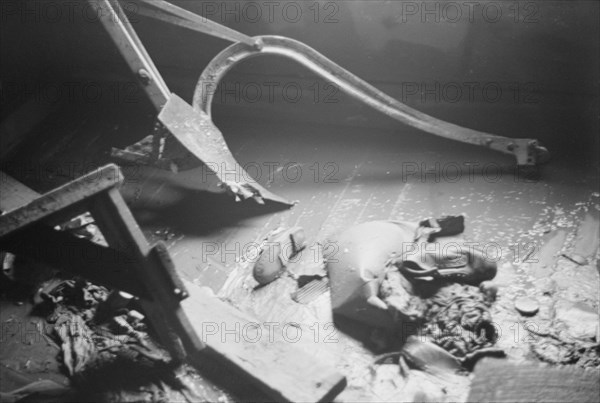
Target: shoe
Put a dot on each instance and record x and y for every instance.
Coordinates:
(466, 265)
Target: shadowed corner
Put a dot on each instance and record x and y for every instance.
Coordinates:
(199, 212)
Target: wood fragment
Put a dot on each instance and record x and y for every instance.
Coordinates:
(500, 381)
(275, 365)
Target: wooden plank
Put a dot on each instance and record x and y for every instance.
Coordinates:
(265, 354)
(122, 232)
(501, 381)
(127, 259)
(13, 194)
(69, 196)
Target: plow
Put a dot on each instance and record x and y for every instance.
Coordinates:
(185, 136)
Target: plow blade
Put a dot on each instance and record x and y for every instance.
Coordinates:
(197, 133)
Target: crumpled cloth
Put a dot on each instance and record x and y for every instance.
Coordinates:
(402, 300)
(357, 267)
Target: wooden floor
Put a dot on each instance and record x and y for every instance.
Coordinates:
(341, 176)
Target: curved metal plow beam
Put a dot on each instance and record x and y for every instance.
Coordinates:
(526, 151)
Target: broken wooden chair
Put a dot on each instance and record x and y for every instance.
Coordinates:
(179, 311)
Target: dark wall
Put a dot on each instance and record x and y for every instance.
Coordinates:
(525, 68)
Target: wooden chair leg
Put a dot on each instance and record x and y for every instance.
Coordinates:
(122, 232)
